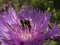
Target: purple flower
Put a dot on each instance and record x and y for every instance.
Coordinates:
(28, 27)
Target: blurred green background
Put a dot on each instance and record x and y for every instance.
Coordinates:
(52, 6)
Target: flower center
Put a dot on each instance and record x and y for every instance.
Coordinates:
(26, 36)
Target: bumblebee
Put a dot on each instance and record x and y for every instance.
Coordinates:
(25, 22)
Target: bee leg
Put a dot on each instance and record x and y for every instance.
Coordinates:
(29, 27)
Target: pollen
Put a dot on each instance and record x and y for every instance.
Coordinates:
(26, 36)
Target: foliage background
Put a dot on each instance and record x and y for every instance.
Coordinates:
(52, 6)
